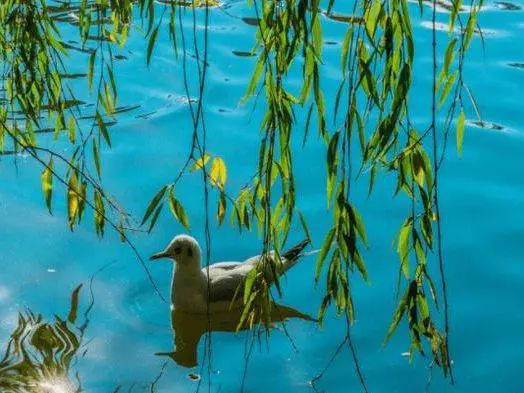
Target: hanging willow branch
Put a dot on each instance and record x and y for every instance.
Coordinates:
(371, 132)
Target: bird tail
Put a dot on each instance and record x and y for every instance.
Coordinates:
(291, 256)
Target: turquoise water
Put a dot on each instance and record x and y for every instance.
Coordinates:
(483, 225)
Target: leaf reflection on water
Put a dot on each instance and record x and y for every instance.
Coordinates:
(39, 354)
(188, 328)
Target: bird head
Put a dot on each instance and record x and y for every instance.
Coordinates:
(184, 249)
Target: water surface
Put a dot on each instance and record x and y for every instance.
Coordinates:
(483, 226)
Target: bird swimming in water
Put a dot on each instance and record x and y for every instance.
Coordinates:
(193, 287)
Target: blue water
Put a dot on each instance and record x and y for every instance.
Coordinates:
(482, 197)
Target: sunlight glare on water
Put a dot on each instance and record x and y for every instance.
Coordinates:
(57, 385)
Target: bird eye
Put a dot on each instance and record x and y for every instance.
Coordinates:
(178, 250)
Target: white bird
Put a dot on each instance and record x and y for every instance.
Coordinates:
(192, 288)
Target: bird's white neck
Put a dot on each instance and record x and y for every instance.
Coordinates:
(188, 286)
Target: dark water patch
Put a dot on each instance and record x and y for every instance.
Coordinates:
(117, 111)
(126, 108)
(330, 42)
(240, 53)
(193, 56)
(506, 6)
(45, 130)
(101, 38)
(517, 65)
(66, 105)
(487, 125)
(77, 48)
(120, 57)
(251, 21)
(58, 9)
(145, 115)
(344, 18)
(72, 76)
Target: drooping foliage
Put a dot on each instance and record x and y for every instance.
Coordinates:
(368, 130)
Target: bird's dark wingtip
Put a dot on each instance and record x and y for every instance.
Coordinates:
(294, 252)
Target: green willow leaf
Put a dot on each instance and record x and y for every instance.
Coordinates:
(221, 209)
(470, 29)
(328, 241)
(47, 184)
(460, 131)
(96, 158)
(448, 58)
(99, 213)
(403, 246)
(151, 44)
(103, 129)
(447, 88)
(305, 228)
(90, 70)
(153, 204)
(178, 210)
(397, 316)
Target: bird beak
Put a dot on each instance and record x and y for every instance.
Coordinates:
(159, 255)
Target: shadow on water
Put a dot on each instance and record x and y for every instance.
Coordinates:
(39, 354)
(188, 328)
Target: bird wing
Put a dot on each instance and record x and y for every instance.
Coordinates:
(225, 279)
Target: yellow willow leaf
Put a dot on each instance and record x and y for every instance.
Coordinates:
(47, 184)
(72, 200)
(200, 163)
(218, 172)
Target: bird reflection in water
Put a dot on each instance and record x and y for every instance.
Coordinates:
(188, 328)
